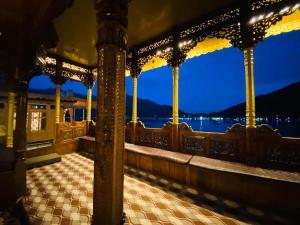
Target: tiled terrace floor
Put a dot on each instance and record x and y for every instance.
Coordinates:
(62, 193)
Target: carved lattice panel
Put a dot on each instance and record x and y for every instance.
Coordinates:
(145, 138)
(223, 148)
(161, 140)
(194, 144)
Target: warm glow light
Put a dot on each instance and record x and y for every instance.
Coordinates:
(296, 6)
(158, 52)
(270, 14)
(260, 17)
(73, 67)
(184, 43)
(168, 49)
(253, 20)
(51, 61)
(284, 10)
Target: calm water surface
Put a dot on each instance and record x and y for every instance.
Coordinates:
(286, 127)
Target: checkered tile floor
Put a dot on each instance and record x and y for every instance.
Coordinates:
(62, 193)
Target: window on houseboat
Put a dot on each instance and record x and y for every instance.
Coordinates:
(38, 121)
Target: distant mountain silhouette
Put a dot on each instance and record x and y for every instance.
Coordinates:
(283, 102)
(146, 108)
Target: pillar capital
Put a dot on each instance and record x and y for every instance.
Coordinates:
(88, 80)
(58, 80)
(176, 58)
(112, 19)
(134, 66)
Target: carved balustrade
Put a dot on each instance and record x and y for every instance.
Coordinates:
(272, 150)
(70, 131)
(154, 137)
(228, 146)
(276, 151)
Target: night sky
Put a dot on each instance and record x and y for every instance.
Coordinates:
(214, 81)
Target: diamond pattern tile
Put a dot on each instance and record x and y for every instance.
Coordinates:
(62, 193)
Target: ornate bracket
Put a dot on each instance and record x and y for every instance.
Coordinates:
(134, 65)
(88, 79)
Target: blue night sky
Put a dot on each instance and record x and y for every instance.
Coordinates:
(214, 81)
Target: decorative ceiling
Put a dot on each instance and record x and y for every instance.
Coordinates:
(76, 27)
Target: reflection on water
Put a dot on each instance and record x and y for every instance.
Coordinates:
(287, 127)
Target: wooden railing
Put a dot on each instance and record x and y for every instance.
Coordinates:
(271, 149)
(69, 131)
(154, 137)
(228, 146)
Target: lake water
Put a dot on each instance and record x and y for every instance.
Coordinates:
(288, 127)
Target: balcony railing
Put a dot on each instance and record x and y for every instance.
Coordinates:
(70, 131)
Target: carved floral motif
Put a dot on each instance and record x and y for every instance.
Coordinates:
(195, 144)
(223, 147)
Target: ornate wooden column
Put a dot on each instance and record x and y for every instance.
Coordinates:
(20, 134)
(175, 113)
(251, 155)
(135, 71)
(89, 105)
(175, 60)
(248, 39)
(88, 81)
(10, 123)
(109, 163)
(250, 96)
(58, 80)
(57, 102)
(134, 98)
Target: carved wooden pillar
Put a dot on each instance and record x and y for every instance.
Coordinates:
(175, 95)
(134, 99)
(135, 71)
(250, 96)
(109, 162)
(247, 40)
(57, 103)
(175, 60)
(58, 80)
(88, 80)
(89, 105)
(10, 123)
(20, 136)
(251, 154)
